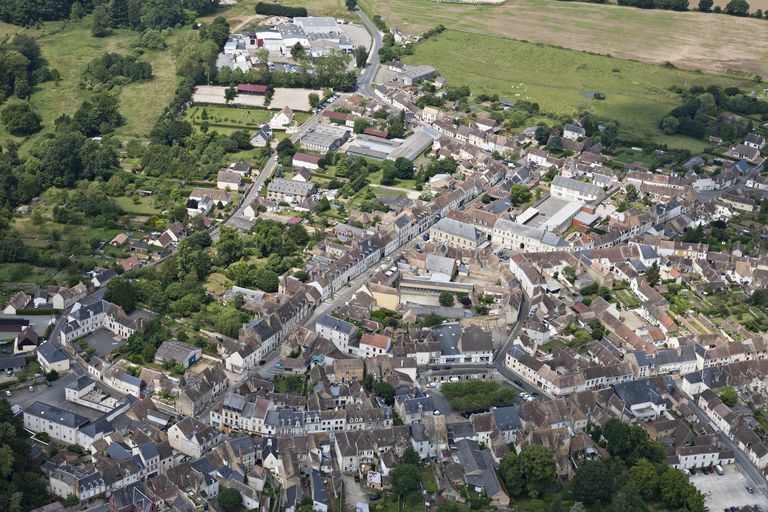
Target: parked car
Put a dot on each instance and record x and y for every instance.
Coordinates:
(262, 362)
(705, 471)
(31, 389)
(750, 490)
(48, 383)
(7, 393)
(431, 385)
(38, 375)
(374, 497)
(719, 469)
(435, 413)
(518, 382)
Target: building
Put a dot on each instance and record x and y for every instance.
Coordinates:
(84, 319)
(193, 437)
(59, 424)
(282, 119)
(575, 190)
(374, 344)
(50, 357)
(324, 138)
(413, 146)
(338, 331)
(306, 161)
(411, 75)
(511, 235)
(289, 191)
(262, 136)
(177, 352)
(456, 234)
(228, 180)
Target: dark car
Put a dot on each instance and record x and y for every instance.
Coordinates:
(262, 362)
(48, 383)
(705, 471)
(446, 367)
(693, 471)
(750, 490)
(518, 382)
(375, 497)
(435, 368)
(357, 478)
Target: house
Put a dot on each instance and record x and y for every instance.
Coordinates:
(302, 175)
(306, 161)
(374, 344)
(320, 501)
(193, 437)
(128, 264)
(290, 191)
(50, 357)
(177, 352)
(18, 302)
(66, 297)
(26, 341)
(282, 119)
(119, 240)
(10, 364)
(749, 153)
(218, 196)
(411, 75)
(262, 137)
(101, 276)
(573, 132)
(228, 180)
(241, 168)
(477, 468)
(754, 140)
(338, 331)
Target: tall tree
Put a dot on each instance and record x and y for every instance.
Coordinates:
(118, 13)
(101, 21)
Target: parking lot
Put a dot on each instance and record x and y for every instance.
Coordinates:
(103, 341)
(728, 490)
(53, 395)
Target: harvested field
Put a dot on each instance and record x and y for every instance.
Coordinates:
(690, 40)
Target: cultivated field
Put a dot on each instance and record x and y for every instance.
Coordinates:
(687, 39)
(559, 80)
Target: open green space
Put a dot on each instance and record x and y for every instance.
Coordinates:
(142, 207)
(636, 94)
(68, 46)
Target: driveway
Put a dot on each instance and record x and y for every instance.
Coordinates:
(354, 493)
(727, 490)
(53, 395)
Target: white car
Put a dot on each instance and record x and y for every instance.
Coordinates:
(435, 413)
(431, 385)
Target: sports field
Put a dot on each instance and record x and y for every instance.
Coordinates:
(636, 94)
(691, 40)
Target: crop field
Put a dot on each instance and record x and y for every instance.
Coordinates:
(559, 80)
(691, 40)
(69, 46)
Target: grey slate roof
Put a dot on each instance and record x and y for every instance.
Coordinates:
(56, 415)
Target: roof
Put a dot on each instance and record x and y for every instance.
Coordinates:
(56, 415)
(284, 186)
(304, 157)
(227, 176)
(173, 350)
(572, 184)
(335, 324)
(51, 353)
(252, 88)
(459, 229)
(376, 340)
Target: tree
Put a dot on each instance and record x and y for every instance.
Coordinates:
(323, 205)
(230, 93)
(627, 499)
(71, 501)
(298, 52)
(410, 456)
(405, 479)
(652, 275)
(285, 148)
(631, 191)
(728, 396)
(737, 8)
(101, 21)
(120, 291)
(360, 125)
(314, 99)
(446, 299)
(76, 12)
(519, 194)
(597, 329)
(361, 56)
(229, 247)
(671, 124)
(595, 481)
(678, 492)
(230, 499)
(569, 273)
(530, 473)
(385, 391)
(646, 479)
(20, 119)
(705, 5)
(52, 375)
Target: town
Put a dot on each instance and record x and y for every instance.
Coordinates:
(378, 296)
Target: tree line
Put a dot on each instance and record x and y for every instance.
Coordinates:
(114, 68)
(733, 7)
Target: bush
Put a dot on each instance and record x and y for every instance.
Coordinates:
(280, 10)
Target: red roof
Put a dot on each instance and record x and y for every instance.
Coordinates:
(248, 88)
(303, 157)
(335, 115)
(376, 133)
(294, 220)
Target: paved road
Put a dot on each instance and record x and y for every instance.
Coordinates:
(365, 80)
(749, 471)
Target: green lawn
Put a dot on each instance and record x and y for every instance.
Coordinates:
(143, 207)
(69, 46)
(558, 79)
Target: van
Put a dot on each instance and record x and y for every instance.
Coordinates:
(719, 469)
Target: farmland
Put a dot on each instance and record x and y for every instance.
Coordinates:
(635, 93)
(691, 40)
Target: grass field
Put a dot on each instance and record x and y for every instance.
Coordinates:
(235, 117)
(69, 46)
(144, 206)
(636, 93)
(687, 39)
